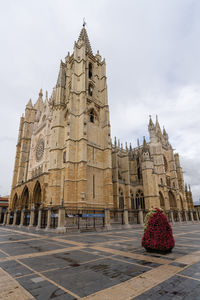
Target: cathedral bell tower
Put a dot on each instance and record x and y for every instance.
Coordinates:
(80, 154)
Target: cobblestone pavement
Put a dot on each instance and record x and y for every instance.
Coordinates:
(108, 265)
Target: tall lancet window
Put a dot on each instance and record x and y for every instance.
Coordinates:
(90, 70)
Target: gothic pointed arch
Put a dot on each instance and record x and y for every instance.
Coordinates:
(139, 199)
(25, 198)
(37, 195)
(93, 116)
(162, 200)
(15, 201)
(172, 200)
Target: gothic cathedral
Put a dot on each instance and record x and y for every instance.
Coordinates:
(65, 157)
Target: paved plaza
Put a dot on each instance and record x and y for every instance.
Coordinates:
(108, 265)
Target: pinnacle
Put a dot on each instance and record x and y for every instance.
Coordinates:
(84, 37)
(150, 122)
(164, 131)
(39, 102)
(29, 104)
(61, 76)
(40, 93)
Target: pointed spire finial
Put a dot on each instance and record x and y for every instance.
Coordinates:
(40, 93)
(84, 38)
(138, 142)
(84, 23)
(130, 147)
(150, 121)
(164, 131)
(29, 104)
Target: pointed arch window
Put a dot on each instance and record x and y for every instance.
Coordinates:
(92, 115)
(140, 200)
(90, 69)
(90, 89)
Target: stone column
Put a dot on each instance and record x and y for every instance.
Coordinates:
(140, 214)
(191, 215)
(126, 223)
(61, 220)
(14, 218)
(179, 217)
(172, 216)
(48, 218)
(32, 215)
(107, 218)
(22, 218)
(186, 217)
(197, 216)
(4, 218)
(8, 218)
(39, 219)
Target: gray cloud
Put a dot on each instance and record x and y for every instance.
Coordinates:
(152, 53)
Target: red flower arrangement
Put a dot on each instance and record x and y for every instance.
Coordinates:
(158, 234)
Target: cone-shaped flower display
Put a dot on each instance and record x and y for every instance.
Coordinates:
(158, 234)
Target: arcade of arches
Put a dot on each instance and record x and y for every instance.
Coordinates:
(26, 199)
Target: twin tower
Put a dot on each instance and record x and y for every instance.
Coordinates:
(65, 157)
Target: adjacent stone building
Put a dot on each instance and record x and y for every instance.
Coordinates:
(65, 157)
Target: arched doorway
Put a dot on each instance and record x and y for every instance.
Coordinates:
(172, 200)
(162, 201)
(140, 200)
(121, 199)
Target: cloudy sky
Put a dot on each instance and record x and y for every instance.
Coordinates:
(152, 50)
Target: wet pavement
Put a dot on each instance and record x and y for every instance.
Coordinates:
(97, 265)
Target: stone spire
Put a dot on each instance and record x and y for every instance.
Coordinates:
(46, 98)
(158, 130)
(150, 122)
(39, 104)
(29, 104)
(144, 146)
(84, 37)
(61, 75)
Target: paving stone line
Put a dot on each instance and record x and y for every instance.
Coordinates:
(11, 289)
(49, 280)
(132, 255)
(30, 255)
(189, 277)
(137, 285)
(22, 240)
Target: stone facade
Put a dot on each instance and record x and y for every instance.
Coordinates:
(65, 157)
